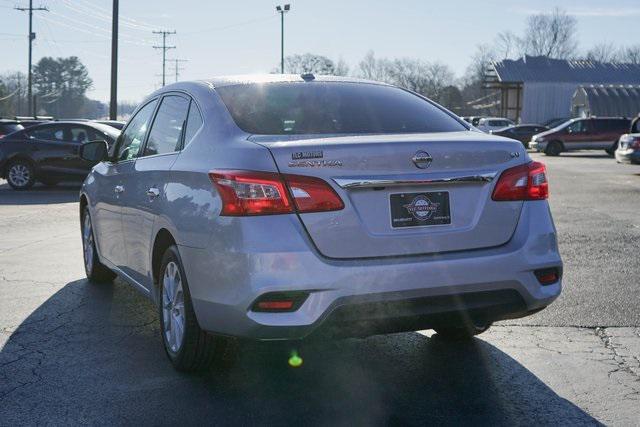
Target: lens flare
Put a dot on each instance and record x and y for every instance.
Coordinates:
(295, 361)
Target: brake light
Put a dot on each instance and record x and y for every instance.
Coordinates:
(246, 193)
(312, 194)
(525, 182)
(636, 143)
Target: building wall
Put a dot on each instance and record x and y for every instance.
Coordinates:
(544, 101)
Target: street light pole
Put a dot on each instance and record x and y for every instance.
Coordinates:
(282, 10)
(113, 103)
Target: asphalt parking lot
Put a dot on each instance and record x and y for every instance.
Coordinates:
(75, 352)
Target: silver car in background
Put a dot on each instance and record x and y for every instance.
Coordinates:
(292, 207)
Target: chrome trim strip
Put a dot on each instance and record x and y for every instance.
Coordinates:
(382, 182)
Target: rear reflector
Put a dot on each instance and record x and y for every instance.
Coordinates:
(281, 302)
(547, 276)
(246, 193)
(525, 182)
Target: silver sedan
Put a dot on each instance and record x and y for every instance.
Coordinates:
(289, 207)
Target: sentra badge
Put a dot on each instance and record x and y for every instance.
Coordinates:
(300, 155)
(422, 208)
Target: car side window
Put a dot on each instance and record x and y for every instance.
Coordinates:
(133, 136)
(81, 134)
(579, 126)
(166, 131)
(48, 133)
(194, 123)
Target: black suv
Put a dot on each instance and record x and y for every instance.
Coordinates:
(48, 153)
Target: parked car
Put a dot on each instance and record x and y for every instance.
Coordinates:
(629, 149)
(593, 133)
(487, 124)
(48, 153)
(522, 133)
(552, 123)
(118, 124)
(9, 126)
(276, 207)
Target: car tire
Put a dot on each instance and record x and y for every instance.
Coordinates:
(461, 332)
(95, 270)
(21, 175)
(554, 148)
(48, 182)
(611, 151)
(187, 346)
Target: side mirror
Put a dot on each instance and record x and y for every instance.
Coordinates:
(94, 151)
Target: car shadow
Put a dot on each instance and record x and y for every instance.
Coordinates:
(585, 155)
(92, 354)
(39, 194)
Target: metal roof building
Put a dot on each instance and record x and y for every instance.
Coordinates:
(606, 100)
(534, 89)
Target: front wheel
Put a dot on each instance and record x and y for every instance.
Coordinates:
(21, 175)
(611, 151)
(188, 347)
(95, 270)
(554, 148)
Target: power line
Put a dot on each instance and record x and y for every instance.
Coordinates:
(32, 36)
(177, 67)
(164, 48)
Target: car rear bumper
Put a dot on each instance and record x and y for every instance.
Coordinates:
(358, 297)
(627, 156)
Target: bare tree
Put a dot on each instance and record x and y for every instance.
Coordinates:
(630, 54)
(507, 45)
(603, 52)
(308, 63)
(552, 35)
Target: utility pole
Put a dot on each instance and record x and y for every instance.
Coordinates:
(32, 37)
(164, 48)
(282, 10)
(113, 103)
(177, 66)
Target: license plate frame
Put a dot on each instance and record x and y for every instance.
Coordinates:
(420, 209)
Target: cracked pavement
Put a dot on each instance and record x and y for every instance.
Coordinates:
(72, 352)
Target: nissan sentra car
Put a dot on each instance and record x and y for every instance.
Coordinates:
(287, 207)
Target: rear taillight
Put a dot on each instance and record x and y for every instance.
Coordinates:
(635, 144)
(525, 182)
(266, 193)
(312, 194)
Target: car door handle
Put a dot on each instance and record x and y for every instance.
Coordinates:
(118, 189)
(153, 192)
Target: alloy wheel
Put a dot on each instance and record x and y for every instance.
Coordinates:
(19, 175)
(173, 310)
(87, 240)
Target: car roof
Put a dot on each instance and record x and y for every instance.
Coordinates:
(221, 81)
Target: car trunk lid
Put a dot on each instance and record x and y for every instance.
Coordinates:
(404, 194)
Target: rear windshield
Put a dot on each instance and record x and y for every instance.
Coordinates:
(332, 108)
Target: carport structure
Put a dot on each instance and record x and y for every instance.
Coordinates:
(534, 89)
(606, 101)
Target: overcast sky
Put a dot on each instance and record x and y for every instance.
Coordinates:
(243, 36)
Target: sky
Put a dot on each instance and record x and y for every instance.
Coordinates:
(243, 36)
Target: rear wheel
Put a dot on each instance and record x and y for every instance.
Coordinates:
(554, 148)
(21, 175)
(188, 347)
(462, 332)
(611, 151)
(95, 270)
